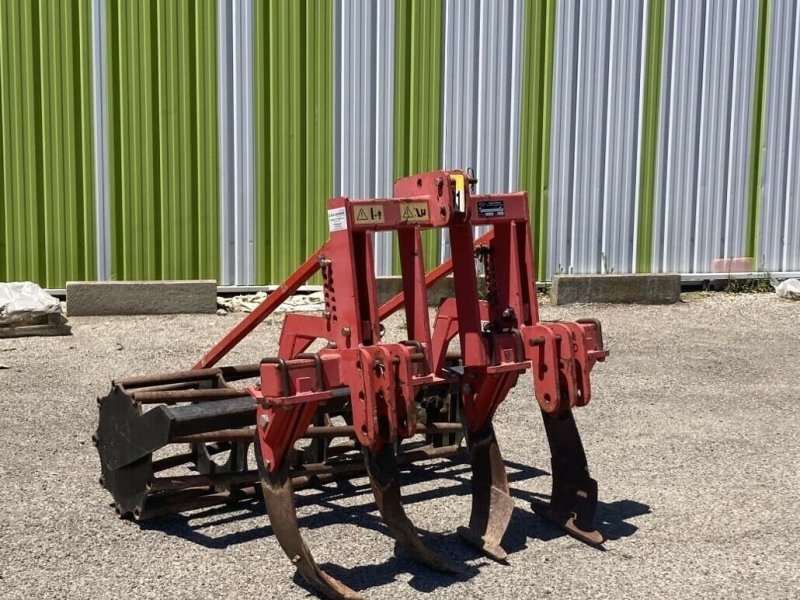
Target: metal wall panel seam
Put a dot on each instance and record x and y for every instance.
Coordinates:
(591, 95)
(517, 26)
(535, 120)
(498, 88)
(623, 141)
(724, 136)
(675, 198)
(777, 170)
(459, 113)
(245, 226)
(4, 192)
(664, 167)
(650, 135)
(711, 145)
(563, 137)
(363, 107)
(384, 121)
(236, 142)
(746, 25)
(100, 122)
(773, 168)
(227, 149)
(757, 130)
(791, 233)
(480, 110)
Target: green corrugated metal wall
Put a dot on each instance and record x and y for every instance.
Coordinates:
(418, 98)
(293, 88)
(537, 87)
(47, 231)
(163, 138)
(649, 139)
(757, 150)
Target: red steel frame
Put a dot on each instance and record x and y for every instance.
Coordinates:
(500, 337)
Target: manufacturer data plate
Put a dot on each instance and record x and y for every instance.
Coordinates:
(491, 208)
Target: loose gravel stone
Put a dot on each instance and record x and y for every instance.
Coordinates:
(693, 435)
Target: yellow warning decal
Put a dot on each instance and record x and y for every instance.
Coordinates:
(368, 214)
(414, 212)
(459, 192)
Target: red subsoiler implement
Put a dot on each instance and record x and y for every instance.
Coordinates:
(383, 393)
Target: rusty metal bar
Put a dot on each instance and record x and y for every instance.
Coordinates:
(165, 378)
(322, 431)
(183, 482)
(236, 372)
(222, 435)
(187, 492)
(174, 396)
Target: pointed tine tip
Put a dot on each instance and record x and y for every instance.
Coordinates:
(443, 565)
(590, 537)
(425, 555)
(338, 590)
(492, 550)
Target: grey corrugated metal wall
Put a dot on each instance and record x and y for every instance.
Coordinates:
(236, 142)
(595, 137)
(779, 233)
(363, 106)
(672, 126)
(706, 95)
(481, 109)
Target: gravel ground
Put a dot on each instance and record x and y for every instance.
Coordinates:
(693, 436)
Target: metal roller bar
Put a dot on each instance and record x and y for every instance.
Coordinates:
(175, 396)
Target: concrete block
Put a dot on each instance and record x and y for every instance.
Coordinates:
(87, 298)
(639, 288)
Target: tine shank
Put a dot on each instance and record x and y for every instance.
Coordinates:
(492, 504)
(573, 502)
(384, 478)
(279, 499)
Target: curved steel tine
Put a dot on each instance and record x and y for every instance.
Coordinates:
(573, 502)
(384, 478)
(279, 498)
(492, 504)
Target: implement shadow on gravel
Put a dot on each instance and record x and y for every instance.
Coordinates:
(611, 520)
(351, 501)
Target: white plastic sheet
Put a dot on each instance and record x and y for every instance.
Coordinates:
(22, 301)
(789, 288)
(313, 302)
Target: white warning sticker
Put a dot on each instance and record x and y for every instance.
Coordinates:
(337, 218)
(414, 212)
